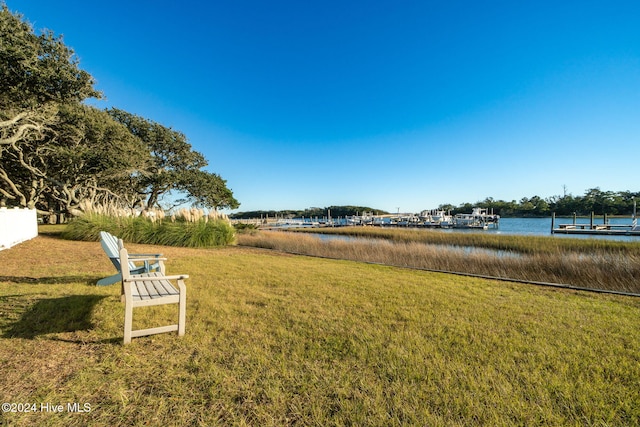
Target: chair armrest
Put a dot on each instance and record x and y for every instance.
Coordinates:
(147, 278)
(135, 258)
(145, 255)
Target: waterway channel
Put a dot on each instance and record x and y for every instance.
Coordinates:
(542, 227)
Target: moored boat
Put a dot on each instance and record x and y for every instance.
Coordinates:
(436, 218)
(479, 218)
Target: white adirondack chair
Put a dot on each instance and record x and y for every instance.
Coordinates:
(148, 289)
(109, 244)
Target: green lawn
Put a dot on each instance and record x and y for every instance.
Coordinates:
(276, 339)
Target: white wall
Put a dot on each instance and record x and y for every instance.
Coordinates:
(16, 226)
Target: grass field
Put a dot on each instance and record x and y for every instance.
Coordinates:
(275, 339)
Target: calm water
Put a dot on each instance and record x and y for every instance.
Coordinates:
(542, 227)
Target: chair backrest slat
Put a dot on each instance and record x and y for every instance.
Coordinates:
(111, 247)
(109, 244)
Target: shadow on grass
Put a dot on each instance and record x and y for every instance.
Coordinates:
(52, 315)
(89, 280)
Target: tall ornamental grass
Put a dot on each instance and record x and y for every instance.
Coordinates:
(194, 232)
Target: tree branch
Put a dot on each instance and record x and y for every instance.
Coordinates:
(18, 128)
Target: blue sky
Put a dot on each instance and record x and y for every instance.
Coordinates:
(389, 104)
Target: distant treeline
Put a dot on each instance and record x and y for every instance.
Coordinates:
(336, 211)
(594, 200)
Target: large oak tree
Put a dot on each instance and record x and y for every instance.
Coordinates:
(57, 153)
(175, 166)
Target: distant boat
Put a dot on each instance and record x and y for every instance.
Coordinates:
(295, 223)
(479, 218)
(436, 218)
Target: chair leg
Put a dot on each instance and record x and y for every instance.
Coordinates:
(109, 280)
(182, 315)
(128, 322)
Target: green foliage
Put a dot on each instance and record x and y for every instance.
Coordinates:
(174, 166)
(594, 200)
(194, 234)
(207, 190)
(239, 226)
(37, 69)
(57, 154)
(38, 75)
(335, 211)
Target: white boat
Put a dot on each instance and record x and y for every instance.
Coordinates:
(479, 218)
(441, 219)
(436, 218)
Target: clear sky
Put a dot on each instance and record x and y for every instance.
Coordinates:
(389, 104)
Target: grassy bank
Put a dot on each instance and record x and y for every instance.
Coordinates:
(592, 264)
(275, 339)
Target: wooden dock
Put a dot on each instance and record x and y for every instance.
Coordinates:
(592, 228)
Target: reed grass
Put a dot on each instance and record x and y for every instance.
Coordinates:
(278, 340)
(192, 232)
(515, 243)
(606, 266)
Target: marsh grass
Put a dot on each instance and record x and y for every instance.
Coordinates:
(514, 243)
(593, 264)
(197, 232)
(274, 339)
